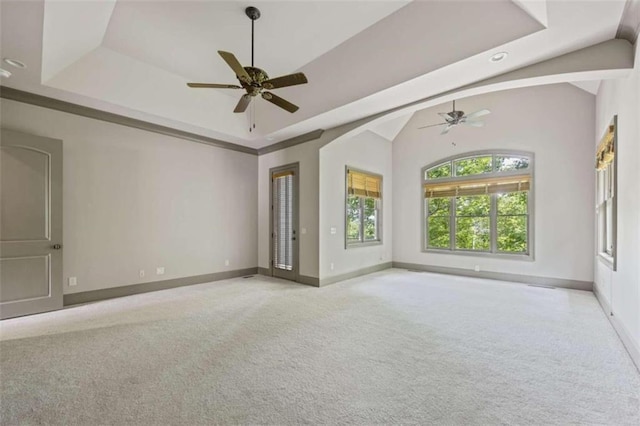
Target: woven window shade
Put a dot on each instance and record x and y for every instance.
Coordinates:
(363, 184)
(478, 186)
(606, 151)
(282, 174)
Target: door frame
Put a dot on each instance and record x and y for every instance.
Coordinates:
(24, 249)
(295, 167)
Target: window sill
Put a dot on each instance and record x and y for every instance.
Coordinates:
(505, 256)
(363, 244)
(607, 260)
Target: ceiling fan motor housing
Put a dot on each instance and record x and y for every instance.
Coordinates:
(456, 115)
(258, 76)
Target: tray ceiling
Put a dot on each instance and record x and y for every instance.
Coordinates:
(361, 57)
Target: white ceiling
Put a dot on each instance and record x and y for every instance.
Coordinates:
(361, 57)
(183, 37)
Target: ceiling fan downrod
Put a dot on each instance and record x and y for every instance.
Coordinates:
(253, 13)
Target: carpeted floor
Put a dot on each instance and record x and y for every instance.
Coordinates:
(391, 347)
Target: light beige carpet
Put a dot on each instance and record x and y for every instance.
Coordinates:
(392, 347)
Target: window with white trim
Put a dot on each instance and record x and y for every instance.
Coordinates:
(606, 196)
(363, 206)
(479, 203)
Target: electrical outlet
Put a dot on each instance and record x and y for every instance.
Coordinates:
(226, 262)
(331, 266)
(73, 281)
(141, 273)
(477, 268)
(333, 230)
(304, 230)
(160, 270)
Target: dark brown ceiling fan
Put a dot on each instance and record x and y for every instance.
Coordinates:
(255, 80)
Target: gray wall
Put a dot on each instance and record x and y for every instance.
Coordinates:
(366, 151)
(621, 289)
(138, 200)
(555, 123)
(307, 156)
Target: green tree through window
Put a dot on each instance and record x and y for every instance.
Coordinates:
(473, 223)
(354, 219)
(439, 223)
(512, 209)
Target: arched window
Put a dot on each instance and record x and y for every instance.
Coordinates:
(479, 202)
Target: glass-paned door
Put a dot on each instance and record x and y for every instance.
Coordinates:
(284, 222)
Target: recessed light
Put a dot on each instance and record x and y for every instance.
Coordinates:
(500, 56)
(15, 63)
(4, 73)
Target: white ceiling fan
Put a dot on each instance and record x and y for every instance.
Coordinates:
(454, 118)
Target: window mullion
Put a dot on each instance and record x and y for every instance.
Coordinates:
(452, 224)
(378, 213)
(493, 223)
(425, 221)
(362, 219)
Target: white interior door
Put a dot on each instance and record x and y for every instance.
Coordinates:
(284, 222)
(30, 224)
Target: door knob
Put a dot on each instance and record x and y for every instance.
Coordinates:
(294, 238)
(56, 246)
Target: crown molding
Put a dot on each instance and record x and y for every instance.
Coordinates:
(288, 143)
(83, 111)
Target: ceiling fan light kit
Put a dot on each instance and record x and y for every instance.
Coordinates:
(255, 80)
(455, 117)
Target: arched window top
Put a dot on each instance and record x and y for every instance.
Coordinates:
(479, 164)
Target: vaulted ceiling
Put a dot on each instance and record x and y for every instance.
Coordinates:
(361, 57)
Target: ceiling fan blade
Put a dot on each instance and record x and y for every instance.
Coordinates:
(243, 103)
(235, 65)
(285, 81)
(446, 129)
(213, 86)
(277, 100)
(431, 125)
(474, 123)
(478, 113)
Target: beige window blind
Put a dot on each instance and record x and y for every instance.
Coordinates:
(283, 220)
(605, 153)
(364, 184)
(478, 186)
